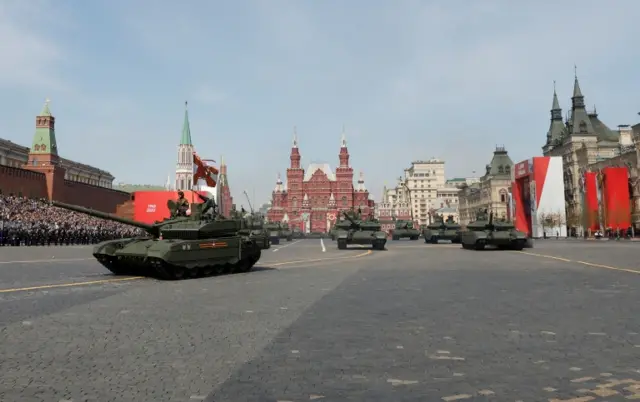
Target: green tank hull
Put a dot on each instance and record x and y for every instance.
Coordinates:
(178, 259)
(411, 234)
(433, 236)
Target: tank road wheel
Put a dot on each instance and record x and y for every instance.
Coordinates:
(378, 245)
(289, 238)
(434, 239)
(479, 245)
(414, 237)
(342, 244)
(395, 237)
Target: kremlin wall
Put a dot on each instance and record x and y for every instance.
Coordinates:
(40, 172)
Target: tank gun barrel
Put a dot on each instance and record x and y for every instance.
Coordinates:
(151, 229)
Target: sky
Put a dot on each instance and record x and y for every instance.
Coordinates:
(407, 79)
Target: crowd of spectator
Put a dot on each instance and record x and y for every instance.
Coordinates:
(33, 222)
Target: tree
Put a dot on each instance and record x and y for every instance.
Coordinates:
(545, 222)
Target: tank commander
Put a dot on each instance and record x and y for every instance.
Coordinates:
(182, 205)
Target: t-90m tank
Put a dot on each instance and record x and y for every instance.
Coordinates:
(277, 232)
(404, 230)
(180, 247)
(485, 232)
(287, 233)
(339, 227)
(361, 232)
(254, 227)
(442, 230)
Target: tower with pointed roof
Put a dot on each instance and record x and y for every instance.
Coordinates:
(223, 196)
(184, 167)
(44, 148)
(43, 154)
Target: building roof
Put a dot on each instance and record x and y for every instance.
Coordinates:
(447, 210)
(186, 128)
(314, 167)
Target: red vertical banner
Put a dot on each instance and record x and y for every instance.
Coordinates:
(521, 218)
(616, 197)
(591, 201)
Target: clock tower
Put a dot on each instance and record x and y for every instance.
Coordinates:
(43, 155)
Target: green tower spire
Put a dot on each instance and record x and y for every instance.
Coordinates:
(44, 140)
(186, 130)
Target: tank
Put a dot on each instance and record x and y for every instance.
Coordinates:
(199, 245)
(486, 233)
(286, 232)
(340, 226)
(442, 230)
(405, 230)
(361, 233)
(254, 228)
(274, 229)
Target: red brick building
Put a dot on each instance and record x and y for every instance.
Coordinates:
(311, 200)
(40, 172)
(224, 198)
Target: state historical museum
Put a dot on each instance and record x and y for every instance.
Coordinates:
(311, 201)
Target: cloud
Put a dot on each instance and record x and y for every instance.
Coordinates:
(502, 51)
(30, 59)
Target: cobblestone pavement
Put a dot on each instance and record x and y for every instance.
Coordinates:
(416, 322)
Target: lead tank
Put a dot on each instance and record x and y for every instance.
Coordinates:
(199, 245)
(485, 232)
(362, 233)
(442, 230)
(404, 230)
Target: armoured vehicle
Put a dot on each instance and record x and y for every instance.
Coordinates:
(442, 230)
(485, 232)
(287, 233)
(340, 226)
(276, 232)
(405, 229)
(254, 225)
(361, 232)
(201, 244)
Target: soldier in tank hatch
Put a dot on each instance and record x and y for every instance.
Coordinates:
(182, 205)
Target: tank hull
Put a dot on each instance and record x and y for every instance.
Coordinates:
(178, 259)
(411, 234)
(433, 236)
(479, 240)
(377, 240)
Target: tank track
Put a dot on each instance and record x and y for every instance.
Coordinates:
(159, 269)
(516, 245)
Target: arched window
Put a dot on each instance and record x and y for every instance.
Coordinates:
(344, 201)
(501, 169)
(294, 202)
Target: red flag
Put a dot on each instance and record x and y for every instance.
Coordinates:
(201, 170)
